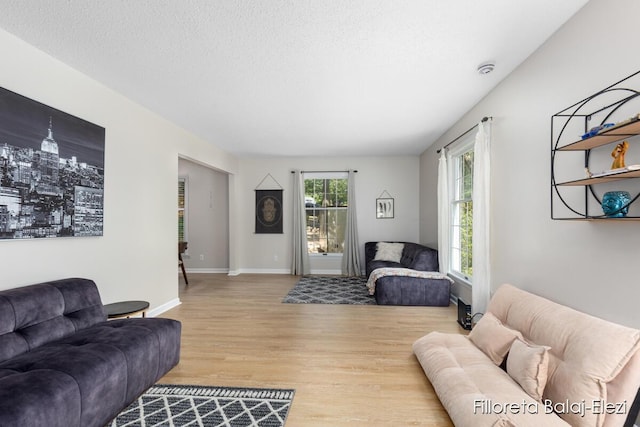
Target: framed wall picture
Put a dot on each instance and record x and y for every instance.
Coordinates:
(51, 171)
(384, 208)
(268, 211)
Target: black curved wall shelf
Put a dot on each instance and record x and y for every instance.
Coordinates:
(581, 198)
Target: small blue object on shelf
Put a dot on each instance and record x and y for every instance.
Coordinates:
(596, 130)
(615, 204)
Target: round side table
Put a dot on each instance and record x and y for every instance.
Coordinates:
(126, 309)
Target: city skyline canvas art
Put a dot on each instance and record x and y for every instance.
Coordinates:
(51, 171)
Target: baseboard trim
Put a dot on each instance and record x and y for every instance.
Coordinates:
(206, 270)
(275, 271)
(164, 307)
(327, 272)
(239, 271)
(262, 271)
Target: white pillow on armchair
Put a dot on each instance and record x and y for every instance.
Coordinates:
(387, 251)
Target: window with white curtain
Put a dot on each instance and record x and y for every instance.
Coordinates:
(461, 210)
(326, 211)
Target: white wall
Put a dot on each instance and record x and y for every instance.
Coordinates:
(136, 257)
(271, 252)
(207, 218)
(591, 266)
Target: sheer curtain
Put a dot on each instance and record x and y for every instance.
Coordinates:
(300, 256)
(481, 289)
(351, 252)
(443, 212)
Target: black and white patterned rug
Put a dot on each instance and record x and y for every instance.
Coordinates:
(330, 290)
(202, 406)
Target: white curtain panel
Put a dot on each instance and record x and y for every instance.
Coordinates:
(443, 212)
(351, 252)
(481, 290)
(300, 258)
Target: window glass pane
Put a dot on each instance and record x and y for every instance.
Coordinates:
(467, 175)
(181, 225)
(455, 259)
(466, 233)
(341, 193)
(336, 223)
(181, 185)
(462, 215)
(182, 191)
(313, 231)
(458, 181)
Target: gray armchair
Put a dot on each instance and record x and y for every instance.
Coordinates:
(404, 289)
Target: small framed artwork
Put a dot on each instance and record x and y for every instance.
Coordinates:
(384, 208)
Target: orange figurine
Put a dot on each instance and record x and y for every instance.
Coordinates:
(618, 155)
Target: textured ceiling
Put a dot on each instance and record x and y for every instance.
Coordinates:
(295, 77)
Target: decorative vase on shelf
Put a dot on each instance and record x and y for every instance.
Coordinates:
(615, 204)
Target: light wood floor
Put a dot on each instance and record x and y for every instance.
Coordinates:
(350, 365)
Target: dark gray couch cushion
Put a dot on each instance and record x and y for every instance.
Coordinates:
(34, 315)
(402, 290)
(151, 347)
(98, 370)
(421, 258)
(52, 399)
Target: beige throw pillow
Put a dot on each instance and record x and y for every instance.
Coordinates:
(528, 365)
(387, 251)
(493, 338)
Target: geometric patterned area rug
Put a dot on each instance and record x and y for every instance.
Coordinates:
(192, 405)
(330, 290)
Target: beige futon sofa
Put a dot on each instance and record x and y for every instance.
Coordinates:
(533, 362)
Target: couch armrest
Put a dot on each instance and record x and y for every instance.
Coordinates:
(369, 251)
(425, 260)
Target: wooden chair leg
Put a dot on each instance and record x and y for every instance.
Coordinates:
(184, 273)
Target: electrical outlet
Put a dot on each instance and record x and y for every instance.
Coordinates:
(201, 257)
(275, 257)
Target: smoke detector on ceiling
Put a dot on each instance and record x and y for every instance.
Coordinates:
(486, 67)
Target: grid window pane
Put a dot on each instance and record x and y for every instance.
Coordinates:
(326, 213)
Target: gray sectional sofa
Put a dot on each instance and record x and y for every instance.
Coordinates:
(405, 273)
(63, 364)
